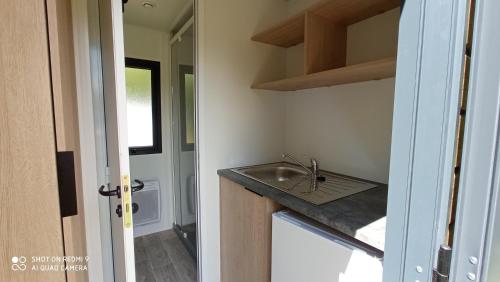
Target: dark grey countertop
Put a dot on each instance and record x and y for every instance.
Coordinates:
(360, 217)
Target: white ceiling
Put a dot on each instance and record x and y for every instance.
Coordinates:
(161, 16)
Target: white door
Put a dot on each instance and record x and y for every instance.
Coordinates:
(119, 187)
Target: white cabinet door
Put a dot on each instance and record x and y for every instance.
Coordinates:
(302, 252)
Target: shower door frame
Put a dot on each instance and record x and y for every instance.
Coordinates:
(177, 146)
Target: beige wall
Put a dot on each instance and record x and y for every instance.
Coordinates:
(238, 126)
(149, 44)
(373, 38)
(347, 128)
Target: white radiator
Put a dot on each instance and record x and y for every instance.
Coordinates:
(149, 203)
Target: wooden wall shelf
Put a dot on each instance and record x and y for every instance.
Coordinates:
(323, 29)
(373, 70)
(344, 12)
(285, 34)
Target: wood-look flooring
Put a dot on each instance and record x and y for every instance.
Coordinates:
(162, 257)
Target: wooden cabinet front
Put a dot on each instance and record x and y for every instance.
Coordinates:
(245, 234)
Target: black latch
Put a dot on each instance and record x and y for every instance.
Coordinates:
(118, 211)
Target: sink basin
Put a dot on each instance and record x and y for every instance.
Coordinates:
(294, 180)
(275, 173)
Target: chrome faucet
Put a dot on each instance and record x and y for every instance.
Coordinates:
(313, 171)
(315, 168)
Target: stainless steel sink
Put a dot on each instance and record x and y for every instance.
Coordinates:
(296, 181)
(275, 173)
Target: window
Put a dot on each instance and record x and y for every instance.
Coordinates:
(143, 106)
(187, 107)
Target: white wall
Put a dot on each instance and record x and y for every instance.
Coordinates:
(149, 44)
(237, 126)
(347, 128)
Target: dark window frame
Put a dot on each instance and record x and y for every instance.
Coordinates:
(154, 67)
(183, 70)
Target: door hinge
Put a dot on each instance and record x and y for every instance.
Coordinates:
(441, 272)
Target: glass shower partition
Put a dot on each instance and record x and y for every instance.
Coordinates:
(183, 129)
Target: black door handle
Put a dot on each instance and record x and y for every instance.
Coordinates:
(138, 187)
(117, 192)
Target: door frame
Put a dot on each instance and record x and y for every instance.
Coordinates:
(198, 16)
(100, 268)
(478, 207)
(176, 119)
(88, 67)
(85, 16)
(430, 63)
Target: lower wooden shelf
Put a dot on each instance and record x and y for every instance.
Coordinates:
(373, 70)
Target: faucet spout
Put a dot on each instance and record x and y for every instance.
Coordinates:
(293, 159)
(313, 170)
(314, 167)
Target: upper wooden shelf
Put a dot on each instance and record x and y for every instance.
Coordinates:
(344, 12)
(373, 70)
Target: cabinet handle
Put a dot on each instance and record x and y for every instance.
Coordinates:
(253, 192)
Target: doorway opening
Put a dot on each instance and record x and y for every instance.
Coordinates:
(159, 63)
(145, 140)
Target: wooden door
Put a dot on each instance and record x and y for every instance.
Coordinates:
(29, 202)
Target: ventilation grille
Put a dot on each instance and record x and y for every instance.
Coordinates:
(148, 200)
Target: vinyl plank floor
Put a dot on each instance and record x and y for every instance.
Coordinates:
(140, 251)
(144, 273)
(178, 253)
(161, 257)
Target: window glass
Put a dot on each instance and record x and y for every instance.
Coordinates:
(186, 81)
(189, 107)
(139, 107)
